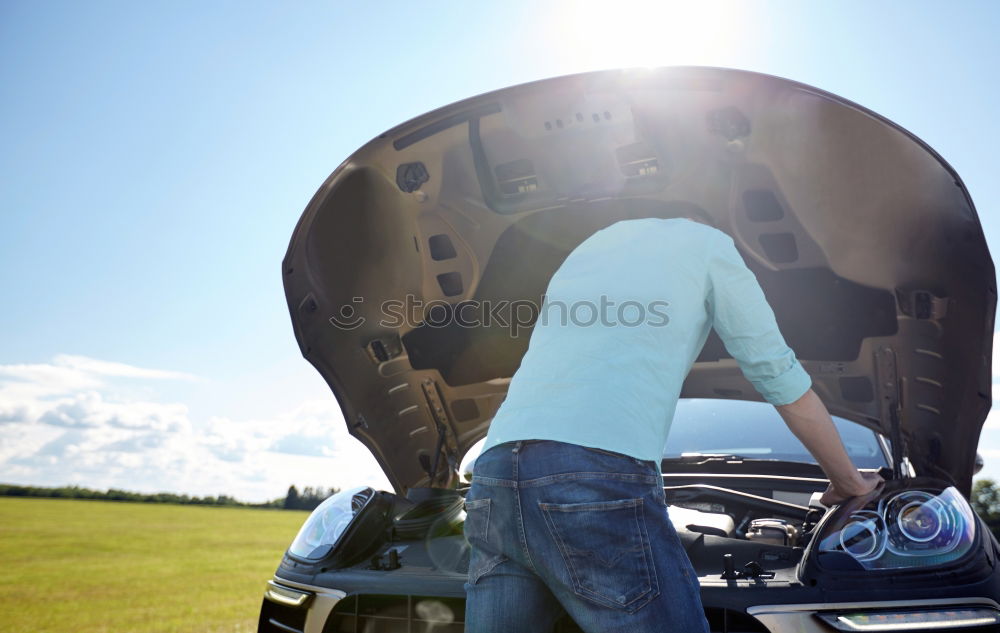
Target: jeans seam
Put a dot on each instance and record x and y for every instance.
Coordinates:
(492, 481)
(549, 479)
(485, 536)
(661, 496)
(474, 576)
(485, 506)
(591, 505)
(520, 513)
(647, 550)
(562, 548)
(603, 451)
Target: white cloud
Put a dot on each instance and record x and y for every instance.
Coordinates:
(992, 419)
(59, 424)
(108, 368)
(988, 446)
(996, 359)
(89, 409)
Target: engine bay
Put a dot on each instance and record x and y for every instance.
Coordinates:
(759, 525)
(740, 514)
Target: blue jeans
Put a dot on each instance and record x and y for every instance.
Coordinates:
(557, 527)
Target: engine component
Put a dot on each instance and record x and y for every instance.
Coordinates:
(713, 523)
(773, 531)
(752, 570)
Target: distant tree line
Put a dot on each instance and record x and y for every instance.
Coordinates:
(986, 503)
(985, 498)
(308, 499)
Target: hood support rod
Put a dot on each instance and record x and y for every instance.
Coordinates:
(436, 405)
(896, 438)
(888, 389)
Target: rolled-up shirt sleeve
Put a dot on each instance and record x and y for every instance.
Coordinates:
(745, 323)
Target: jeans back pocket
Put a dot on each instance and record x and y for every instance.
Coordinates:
(477, 520)
(606, 550)
(485, 552)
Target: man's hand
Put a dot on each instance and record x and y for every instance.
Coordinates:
(868, 483)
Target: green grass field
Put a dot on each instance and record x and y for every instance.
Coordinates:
(90, 566)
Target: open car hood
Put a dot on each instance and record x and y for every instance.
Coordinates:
(865, 241)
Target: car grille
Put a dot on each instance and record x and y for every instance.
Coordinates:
(427, 614)
(397, 614)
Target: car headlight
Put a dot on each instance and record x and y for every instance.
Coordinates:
(912, 528)
(326, 526)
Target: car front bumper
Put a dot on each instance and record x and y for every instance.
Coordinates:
(291, 607)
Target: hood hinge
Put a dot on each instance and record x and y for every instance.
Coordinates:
(889, 407)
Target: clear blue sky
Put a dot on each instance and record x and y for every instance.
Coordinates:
(156, 155)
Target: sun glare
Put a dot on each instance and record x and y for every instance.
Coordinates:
(592, 35)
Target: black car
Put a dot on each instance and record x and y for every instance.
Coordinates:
(865, 242)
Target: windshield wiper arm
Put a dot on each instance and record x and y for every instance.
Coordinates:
(702, 457)
(699, 458)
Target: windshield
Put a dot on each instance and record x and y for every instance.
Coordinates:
(755, 430)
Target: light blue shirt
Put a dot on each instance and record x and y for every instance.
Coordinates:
(623, 320)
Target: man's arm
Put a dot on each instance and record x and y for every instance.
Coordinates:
(809, 420)
(746, 324)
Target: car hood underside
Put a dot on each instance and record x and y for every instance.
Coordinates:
(864, 240)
